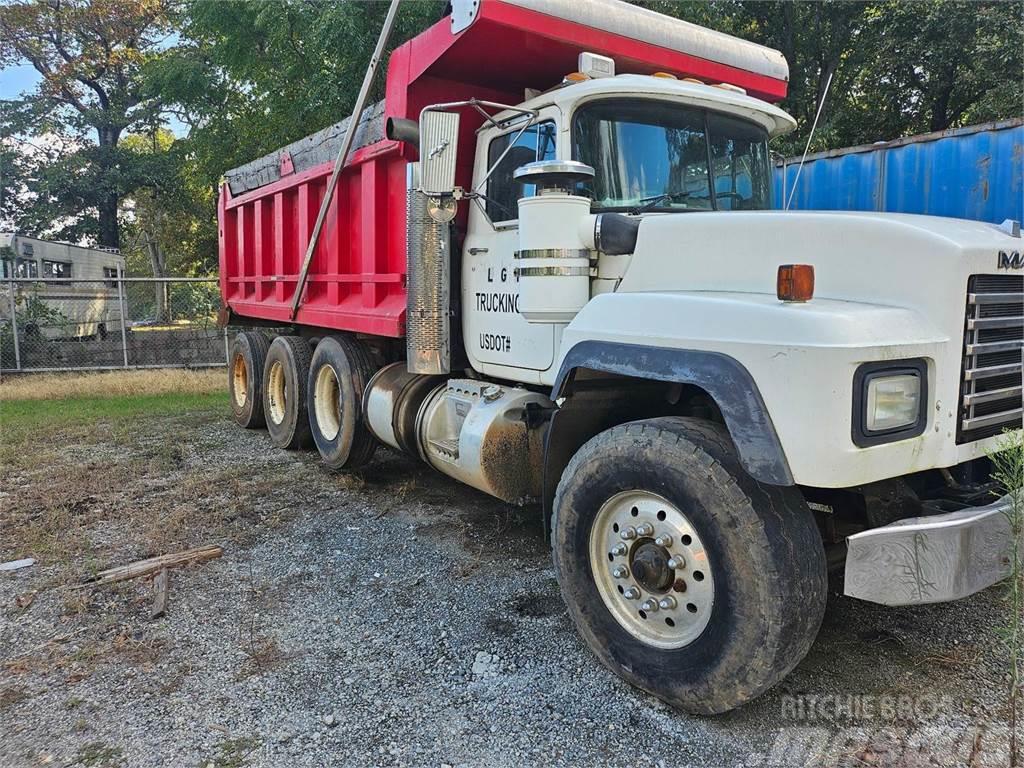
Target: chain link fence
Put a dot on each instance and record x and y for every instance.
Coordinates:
(65, 324)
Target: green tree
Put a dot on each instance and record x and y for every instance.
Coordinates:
(253, 75)
(90, 55)
(167, 221)
(897, 67)
(937, 64)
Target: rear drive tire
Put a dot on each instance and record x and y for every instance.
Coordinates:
(338, 374)
(245, 378)
(685, 576)
(284, 392)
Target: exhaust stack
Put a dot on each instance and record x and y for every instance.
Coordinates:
(428, 316)
(401, 129)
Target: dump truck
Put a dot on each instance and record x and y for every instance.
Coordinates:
(550, 270)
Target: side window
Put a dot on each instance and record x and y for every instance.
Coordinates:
(7, 267)
(110, 277)
(56, 269)
(536, 143)
(26, 268)
(739, 163)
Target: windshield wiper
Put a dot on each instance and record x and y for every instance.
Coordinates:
(652, 202)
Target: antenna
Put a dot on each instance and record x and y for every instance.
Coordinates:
(810, 136)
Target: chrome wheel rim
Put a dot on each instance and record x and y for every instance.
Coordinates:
(276, 392)
(239, 381)
(651, 569)
(327, 402)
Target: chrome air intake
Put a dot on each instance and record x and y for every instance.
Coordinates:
(553, 264)
(428, 249)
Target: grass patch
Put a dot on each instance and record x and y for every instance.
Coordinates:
(61, 386)
(91, 482)
(94, 445)
(17, 416)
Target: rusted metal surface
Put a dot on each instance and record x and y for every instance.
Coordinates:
(975, 172)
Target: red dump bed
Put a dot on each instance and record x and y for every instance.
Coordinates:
(490, 49)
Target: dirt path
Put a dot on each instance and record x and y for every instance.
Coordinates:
(393, 618)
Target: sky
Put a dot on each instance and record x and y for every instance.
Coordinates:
(16, 80)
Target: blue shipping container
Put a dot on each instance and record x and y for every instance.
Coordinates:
(975, 172)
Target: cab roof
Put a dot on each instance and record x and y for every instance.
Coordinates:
(774, 120)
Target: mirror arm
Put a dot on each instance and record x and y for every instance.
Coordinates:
(479, 105)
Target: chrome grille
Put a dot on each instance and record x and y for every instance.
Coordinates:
(993, 357)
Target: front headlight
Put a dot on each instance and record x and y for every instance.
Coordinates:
(893, 401)
(890, 401)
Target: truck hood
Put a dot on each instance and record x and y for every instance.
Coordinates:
(918, 262)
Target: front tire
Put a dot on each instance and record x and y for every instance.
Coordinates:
(284, 392)
(338, 374)
(686, 577)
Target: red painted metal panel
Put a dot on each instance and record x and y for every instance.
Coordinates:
(357, 277)
(511, 47)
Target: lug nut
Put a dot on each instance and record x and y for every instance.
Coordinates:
(644, 529)
(667, 603)
(620, 571)
(676, 562)
(619, 550)
(664, 540)
(650, 605)
(628, 533)
(631, 593)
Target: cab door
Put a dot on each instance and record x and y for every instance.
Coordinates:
(495, 335)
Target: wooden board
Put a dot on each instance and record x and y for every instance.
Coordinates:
(154, 564)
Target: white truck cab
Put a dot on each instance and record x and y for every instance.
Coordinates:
(643, 113)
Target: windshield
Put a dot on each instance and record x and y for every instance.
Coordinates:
(669, 157)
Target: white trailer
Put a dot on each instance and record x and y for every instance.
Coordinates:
(73, 291)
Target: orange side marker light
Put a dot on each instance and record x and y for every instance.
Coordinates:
(795, 282)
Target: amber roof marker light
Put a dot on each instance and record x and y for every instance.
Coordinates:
(795, 282)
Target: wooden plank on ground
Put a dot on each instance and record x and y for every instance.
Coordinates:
(160, 584)
(154, 564)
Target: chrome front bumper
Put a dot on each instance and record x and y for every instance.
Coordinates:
(931, 559)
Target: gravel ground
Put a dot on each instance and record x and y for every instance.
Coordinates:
(395, 618)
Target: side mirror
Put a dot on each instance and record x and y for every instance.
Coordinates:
(439, 143)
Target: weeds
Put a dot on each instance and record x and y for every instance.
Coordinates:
(11, 696)
(97, 754)
(233, 753)
(112, 384)
(1008, 462)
